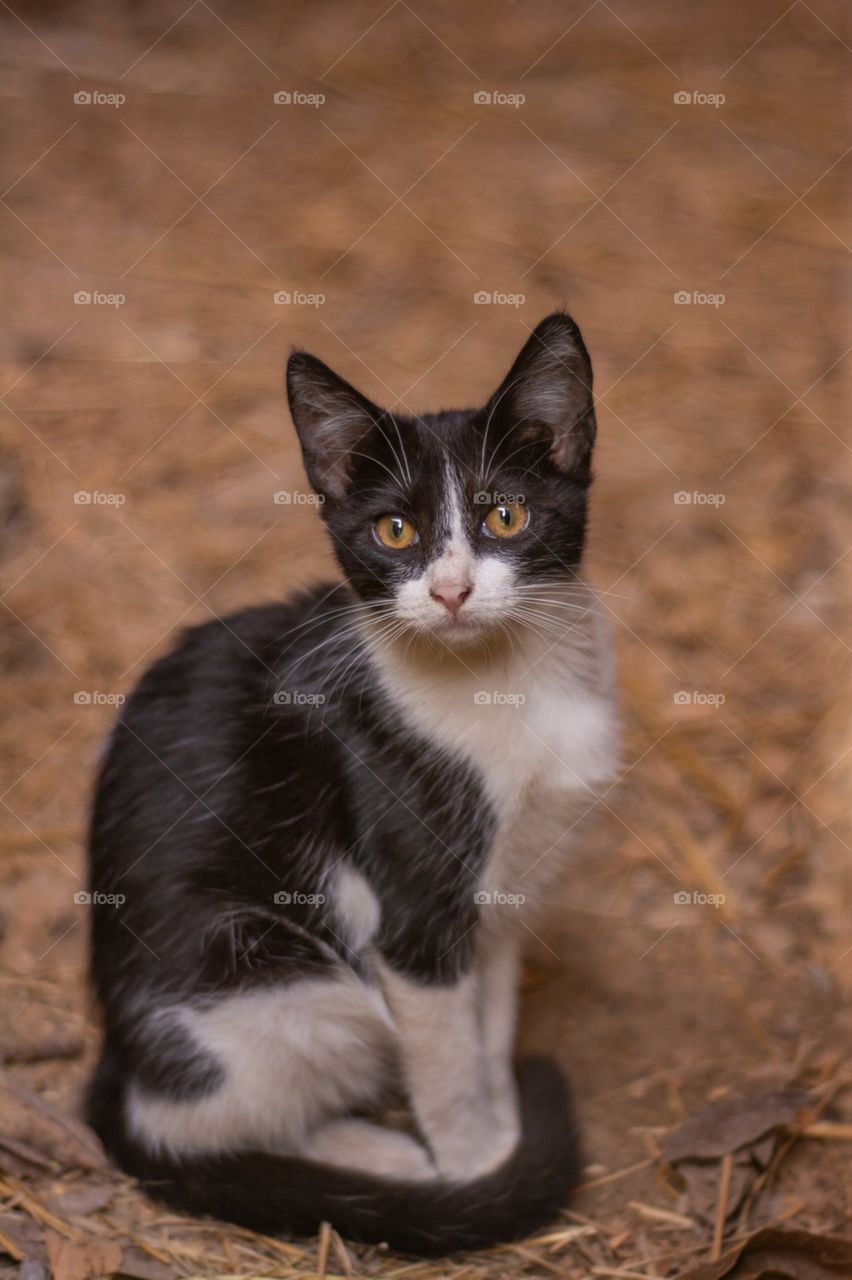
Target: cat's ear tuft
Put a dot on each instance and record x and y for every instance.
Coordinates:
(332, 419)
(547, 395)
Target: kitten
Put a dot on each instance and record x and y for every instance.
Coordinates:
(333, 822)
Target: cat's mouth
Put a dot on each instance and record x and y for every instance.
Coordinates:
(463, 629)
(443, 628)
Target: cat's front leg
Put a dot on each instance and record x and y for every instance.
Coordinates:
(443, 1059)
(498, 964)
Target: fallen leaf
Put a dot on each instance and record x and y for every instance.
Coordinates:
(79, 1200)
(701, 1178)
(20, 1235)
(138, 1265)
(21, 1155)
(773, 1254)
(70, 1260)
(746, 1127)
(32, 1269)
(733, 1123)
(30, 1119)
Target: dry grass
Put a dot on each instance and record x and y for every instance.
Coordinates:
(174, 402)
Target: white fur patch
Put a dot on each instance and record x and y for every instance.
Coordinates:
(356, 907)
(357, 1144)
(535, 720)
(443, 1060)
(293, 1055)
(498, 971)
(488, 578)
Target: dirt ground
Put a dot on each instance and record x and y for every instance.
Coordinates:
(704, 951)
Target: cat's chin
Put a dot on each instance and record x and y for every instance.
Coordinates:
(461, 633)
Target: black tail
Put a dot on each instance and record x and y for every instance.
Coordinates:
(270, 1193)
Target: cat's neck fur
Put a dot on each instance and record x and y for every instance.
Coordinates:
(537, 711)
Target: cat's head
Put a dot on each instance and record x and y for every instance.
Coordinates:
(452, 524)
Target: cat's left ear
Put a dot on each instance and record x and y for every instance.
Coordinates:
(547, 396)
(333, 421)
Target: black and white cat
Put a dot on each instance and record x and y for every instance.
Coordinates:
(332, 823)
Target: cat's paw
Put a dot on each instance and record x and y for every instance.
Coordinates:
(465, 1161)
(507, 1118)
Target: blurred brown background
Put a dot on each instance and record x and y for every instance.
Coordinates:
(674, 174)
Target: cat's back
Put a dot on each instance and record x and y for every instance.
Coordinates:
(232, 664)
(230, 708)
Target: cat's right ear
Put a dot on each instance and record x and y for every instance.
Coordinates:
(546, 398)
(333, 421)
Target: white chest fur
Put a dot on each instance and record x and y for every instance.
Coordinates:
(538, 725)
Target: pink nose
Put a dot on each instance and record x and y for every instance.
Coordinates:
(451, 598)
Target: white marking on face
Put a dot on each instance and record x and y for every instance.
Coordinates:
(477, 587)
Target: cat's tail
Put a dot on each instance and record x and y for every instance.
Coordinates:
(270, 1194)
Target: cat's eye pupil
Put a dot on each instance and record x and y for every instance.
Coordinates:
(395, 531)
(506, 520)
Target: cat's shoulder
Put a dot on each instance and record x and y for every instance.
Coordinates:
(263, 624)
(210, 658)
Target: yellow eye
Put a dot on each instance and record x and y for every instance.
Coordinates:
(395, 531)
(506, 520)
